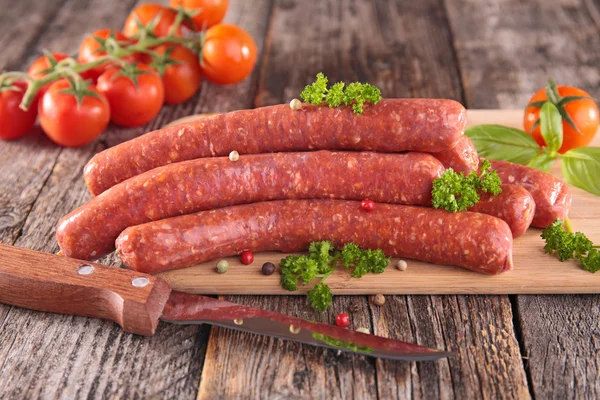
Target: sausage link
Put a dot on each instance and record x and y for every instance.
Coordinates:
(90, 231)
(475, 241)
(393, 125)
(461, 158)
(551, 195)
(514, 205)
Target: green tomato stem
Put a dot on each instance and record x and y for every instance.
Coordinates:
(70, 66)
(568, 225)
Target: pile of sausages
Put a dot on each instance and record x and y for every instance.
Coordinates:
(173, 197)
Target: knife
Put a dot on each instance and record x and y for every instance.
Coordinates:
(136, 301)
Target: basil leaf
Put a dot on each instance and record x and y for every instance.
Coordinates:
(542, 161)
(499, 142)
(551, 126)
(581, 168)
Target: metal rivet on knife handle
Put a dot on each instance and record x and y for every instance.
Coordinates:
(140, 282)
(85, 269)
(238, 321)
(294, 329)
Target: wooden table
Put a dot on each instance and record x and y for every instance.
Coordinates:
(484, 53)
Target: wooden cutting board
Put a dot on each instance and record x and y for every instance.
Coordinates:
(534, 272)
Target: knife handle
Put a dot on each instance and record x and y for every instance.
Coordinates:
(46, 282)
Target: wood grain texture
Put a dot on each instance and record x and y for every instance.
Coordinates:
(53, 356)
(46, 282)
(506, 50)
(405, 48)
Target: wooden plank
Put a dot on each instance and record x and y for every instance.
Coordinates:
(58, 356)
(26, 163)
(402, 47)
(242, 365)
(534, 272)
(506, 50)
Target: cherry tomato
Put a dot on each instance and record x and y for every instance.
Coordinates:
(181, 80)
(92, 48)
(367, 205)
(69, 123)
(145, 13)
(15, 122)
(229, 54)
(342, 319)
(131, 104)
(584, 114)
(42, 66)
(211, 11)
(247, 257)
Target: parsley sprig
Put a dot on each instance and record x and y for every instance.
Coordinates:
(568, 245)
(355, 94)
(456, 191)
(321, 262)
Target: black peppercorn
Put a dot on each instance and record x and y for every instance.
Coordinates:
(268, 268)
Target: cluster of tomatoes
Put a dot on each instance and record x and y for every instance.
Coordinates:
(126, 76)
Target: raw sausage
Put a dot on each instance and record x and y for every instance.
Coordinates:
(393, 125)
(475, 241)
(551, 195)
(461, 158)
(514, 205)
(90, 231)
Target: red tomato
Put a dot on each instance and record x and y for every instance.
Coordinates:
(69, 123)
(342, 319)
(15, 122)
(92, 48)
(42, 66)
(584, 114)
(211, 11)
(247, 257)
(145, 13)
(183, 79)
(131, 104)
(229, 54)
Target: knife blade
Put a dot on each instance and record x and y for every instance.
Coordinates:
(137, 302)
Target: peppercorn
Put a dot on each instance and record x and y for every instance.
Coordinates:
(234, 156)
(402, 265)
(222, 266)
(247, 257)
(367, 205)
(342, 320)
(379, 299)
(268, 268)
(295, 104)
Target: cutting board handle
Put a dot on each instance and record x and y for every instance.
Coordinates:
(45, 282)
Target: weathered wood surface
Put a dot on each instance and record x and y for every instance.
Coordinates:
(54, 356)
(405, 48)
(506, 50)
(487, 54)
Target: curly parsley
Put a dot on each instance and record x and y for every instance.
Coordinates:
(456, 192)
(568, 245)
(320, 263)
(355, 94)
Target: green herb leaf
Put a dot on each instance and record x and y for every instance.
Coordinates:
(456, 192)
(581, 168)
(569, 245)
(320, 297)
(315, 92)
(355, 94)
(498, 142)
(542, 161)
(320, 263)
(551, 126)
